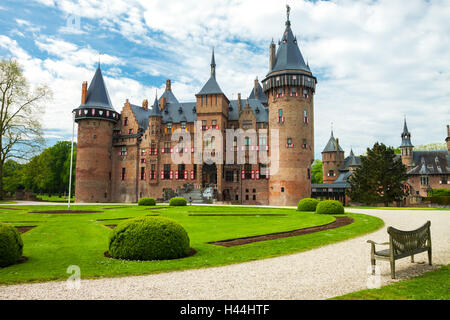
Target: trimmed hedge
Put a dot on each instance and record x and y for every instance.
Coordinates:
(440, 192)
(177, 201)
(307, 204)
(439, 200)
(330, 207)
(11, 245)
(147, 202)
(149, 238)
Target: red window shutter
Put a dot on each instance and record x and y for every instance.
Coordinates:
(267, 173)
(192, 149)
(176, 174)
(171, 150)
(253, 174)
(257, 174)
(243, 174)
(162, 174)
(185, 175)
(171, 174)
(162, 150)
(192, 174)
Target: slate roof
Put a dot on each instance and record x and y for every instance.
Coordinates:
(430, 162)
(211, 87)
(288, 55)
(260, 93)
(97, 94)
(332, 145)
(351, 161)
(170, 97)
(260, 111)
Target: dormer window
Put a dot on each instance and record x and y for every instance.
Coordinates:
(169, 125)
(125, 122)
(180, 110)
(183, 125)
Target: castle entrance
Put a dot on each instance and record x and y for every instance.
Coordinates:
(209, 175)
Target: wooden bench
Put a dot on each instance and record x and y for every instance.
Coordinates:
(402, 244)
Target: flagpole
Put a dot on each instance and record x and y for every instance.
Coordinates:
(71, 160)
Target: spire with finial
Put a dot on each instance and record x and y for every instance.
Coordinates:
(213, 65)
(406, 136)
(288, 13)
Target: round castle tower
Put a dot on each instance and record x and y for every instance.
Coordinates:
(96, 119)
(290, 87)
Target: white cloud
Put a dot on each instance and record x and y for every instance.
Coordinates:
(378, 60)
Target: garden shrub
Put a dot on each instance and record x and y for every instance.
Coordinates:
(177, 201)
(147, 202)
(330, 207)
(11, 245)
(307, 204)
(149, 238)
(442, 200)
(440, 192)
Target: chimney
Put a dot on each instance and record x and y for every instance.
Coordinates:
(239, 103)
(448, 131)
(272, 56)
(256, 88)
(163, 102)
(84, 92)
(168, 85)
(145, 104)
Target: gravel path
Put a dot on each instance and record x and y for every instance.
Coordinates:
(321, 273)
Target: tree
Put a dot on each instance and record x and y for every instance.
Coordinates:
(317, 172)
(20, 110)
(12, 175)
(380, 177)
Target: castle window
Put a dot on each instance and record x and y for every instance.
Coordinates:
(262, 142)
(331, 173)
(214, 124)
(444, 180)
(304, 144)
(130, 131)
(305, 116)
(166, 147)
(248, 171)
(246, 197)
(203, 125)
(167, 171)
(282, 189)
(169, 125)
(305, 93)
(123, 151)
(95, 136)
(424, 181)
(262, 171)
(142, 160)
(183, 125)
(294, 92)
(236, 197)
(280, 93)
(289, 143)
(142, 173)
(123, 174)
(125, 122)
(280, 116)
(181, 169)
(229, 176)
(309, 174)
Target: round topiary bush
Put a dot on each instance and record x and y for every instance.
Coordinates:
(147, 202)
(330, 207)
(11, 245)
(177, 201)
(307, 204)
(149, 238)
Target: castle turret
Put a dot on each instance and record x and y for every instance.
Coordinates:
(332, 159)
(406, 147)
(290, 87)
(96, 118)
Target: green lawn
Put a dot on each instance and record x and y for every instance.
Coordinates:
(433, 285)
(59, 241)
(6, 202)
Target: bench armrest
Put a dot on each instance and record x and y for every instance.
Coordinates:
(381, 244)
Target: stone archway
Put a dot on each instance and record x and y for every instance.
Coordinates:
(209, 174)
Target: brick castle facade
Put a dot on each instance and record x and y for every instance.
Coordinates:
(124, 156)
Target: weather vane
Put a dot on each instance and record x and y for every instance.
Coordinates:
(288, 9)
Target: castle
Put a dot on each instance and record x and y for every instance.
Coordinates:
(124, 156)
(426, 170)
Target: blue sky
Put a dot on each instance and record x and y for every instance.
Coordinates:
(376, 61)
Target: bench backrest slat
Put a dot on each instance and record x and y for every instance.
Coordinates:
(403, 242)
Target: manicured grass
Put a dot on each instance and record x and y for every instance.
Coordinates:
(433, 285)
(53, 198)
(59, 240)
(6, 202)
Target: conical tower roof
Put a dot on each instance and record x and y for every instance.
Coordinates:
(211, 86)
(332, 145)
(406, 136)
(155, 111)
(288, 56)
(97, 94)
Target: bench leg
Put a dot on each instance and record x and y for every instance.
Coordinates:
(429, 256)
(373, 266)
(412, 259)
(393, 269)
